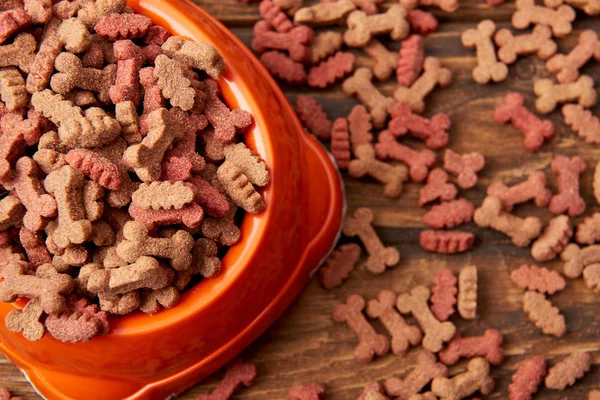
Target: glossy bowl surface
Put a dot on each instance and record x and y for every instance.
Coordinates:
(151, 357)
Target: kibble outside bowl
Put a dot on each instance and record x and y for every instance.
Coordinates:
(152, 357)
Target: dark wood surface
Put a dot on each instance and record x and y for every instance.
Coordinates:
(305, 345)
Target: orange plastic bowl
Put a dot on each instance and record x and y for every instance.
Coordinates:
(152, 357)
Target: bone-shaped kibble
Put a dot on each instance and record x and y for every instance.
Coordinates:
(464, 166)
(539, 41)
(145, 158)
(446, 5)
(432, 131)
(225, 121)
(119, 304)
(488, 68)
(433, 74)
(153, 301)
(543, 314)
(360, 85)
(590, 7)
(324, 45)
(324, 13)
(391, 176)
(171, 79)
(137, 242)
(576, 259)
(370, 343)
(437, 187)
(92, 12)
(553, 240)
(40, 10)
(47, 285)
(146, 272)
(19, 53)
(92, 128)
(550, 94)
(339, 265)
(27, 320)
(419, 162)
(71, 74)
(476, 378)
(488, 346)
(66, 185)
(312, 391)
(238, 374)
(467, 292)
(26, 184)
(567, 66)
(223, 230)
(534, 130)
(403, 335)
(386, 61)
(12, 89)
(362, 27)
(296, 42)
(17, 135)
(74, 35)
(427, 368)
(521, 230)
(380, 257)
(528, 13)
(199, 55)
(534, 188)
(11, 212)
(436, 332)
(568, 199)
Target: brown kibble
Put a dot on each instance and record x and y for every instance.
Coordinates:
(324, 13)
(567, 66)
(488, 68)
(534, 188)
(392, 176)
(596, 182)
(339, 265)
(588, 231)
(204, 258)
(137, 242)
(198, 55)
(249, 163)
(370, 343)
(476, 378)
(42, 66)
(539, 41)
(19, 53)
(163, 195)
(521, 230)
(12, 89)
(403, 335)
(27, 320)
(92, 12)
(74, 35)
(550, 94)
(543, 314)
(172, 82)
(360, 85)
(153, 301)
(489, 346)
(362, 27)
(119, 304)
(93, 202)
(126, 115)
(239, 188)
(39, 10)
(559, 20)
(380, 257)
(47, 285)
(467, 292)
(427, 368)
(146, 157)
(436, 332)
(49, 160)
(146, 272)
(11, 212)
(553, 240)
(433, 75)
(576, 259)
(72, 227)
(591, 276)
(18, 134)
(464, 166)
(386, 61)
(539, 279)
(324, 45)
(568, 370)
(371, 392)
(583, 122)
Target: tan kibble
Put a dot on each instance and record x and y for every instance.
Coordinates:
(391, 176)
(163, 195)
(550, 94)
(11, 212)
(239, 188)
(19, 53)
(488, 68)
(568, 370)
(324, 45)
(173, 83)
(27, 321)
(74, 35)
(467, 292)
(198, 55)
(146, 272)
(12, 89)
(543, 314)
(248, 162)
(324, 13)
(476, 378)
(362, 27)
(360, 85)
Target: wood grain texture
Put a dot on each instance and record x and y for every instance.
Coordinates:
(305, 345)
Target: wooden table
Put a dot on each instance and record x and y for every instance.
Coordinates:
(305, 345)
